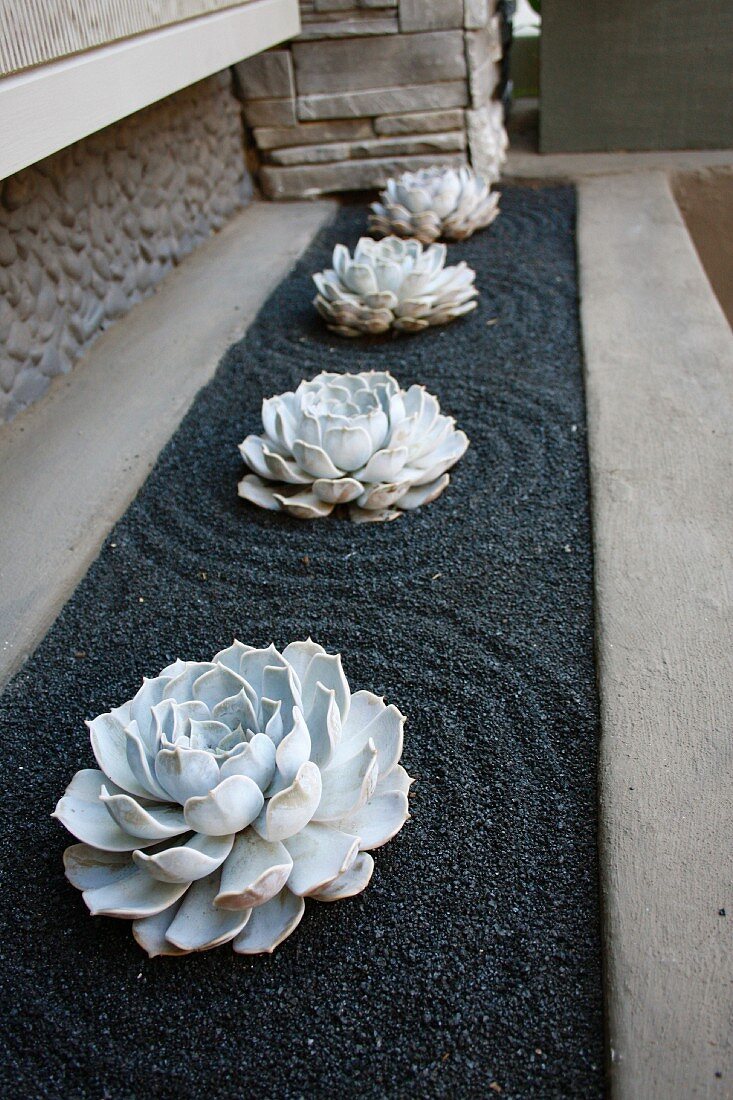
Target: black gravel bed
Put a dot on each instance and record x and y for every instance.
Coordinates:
(471, 966)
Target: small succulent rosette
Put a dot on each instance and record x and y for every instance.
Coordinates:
(392, 284)
(433, 203)
(230, 790)
(350, 439)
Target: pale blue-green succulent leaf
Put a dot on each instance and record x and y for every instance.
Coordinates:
(186, 772)
(149, 932)
(217, 684)
(320, 854)
(447, 202)
(238, 710)
(255, 871)
(254, 663)
(153, 823)
(141, 764)
(229, 807)
(324, 725)
(327, 669)
(378, 820)
(288, 811)
(299, 655)
(396, 780)
(255, 759)
(294, 749)
(84, 814)
(423, 494)
(141, 708)
(197, 858)
(180, 687)
(109, 745)
(350, 882)
(198, 924)
(385, 731)
(270, 924)
(347, 786)
(88, 868)
(357, 440)
(251, 780)
(137, 895)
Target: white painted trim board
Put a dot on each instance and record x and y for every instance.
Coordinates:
(49, 107)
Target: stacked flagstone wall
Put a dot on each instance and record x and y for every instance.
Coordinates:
(372, 88)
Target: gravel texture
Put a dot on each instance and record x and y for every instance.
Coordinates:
(471, 965)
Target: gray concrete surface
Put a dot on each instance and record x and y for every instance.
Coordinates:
(70, 465)
(525, 163)
(659, 362)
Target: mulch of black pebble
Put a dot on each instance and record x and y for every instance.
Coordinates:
(471, 966)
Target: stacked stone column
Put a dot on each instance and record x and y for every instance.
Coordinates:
(372, 88)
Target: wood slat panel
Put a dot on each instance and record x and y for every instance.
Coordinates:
(37, 31)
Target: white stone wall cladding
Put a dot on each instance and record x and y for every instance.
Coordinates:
(374, 87)
(88, 232)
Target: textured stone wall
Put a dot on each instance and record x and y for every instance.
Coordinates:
(89, 231)
(372, 88)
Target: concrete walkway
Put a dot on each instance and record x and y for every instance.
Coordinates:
(659, 378)
(70, 465)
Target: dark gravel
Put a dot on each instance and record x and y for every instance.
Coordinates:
(473, 959)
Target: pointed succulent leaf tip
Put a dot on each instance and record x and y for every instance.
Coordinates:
(452, 203)
(149, 932)
(198, 924)
(350, 882)
(294, 749)
(320, 854)
(255, 871)
(155, 823)
(251, 781)
(187, 862)
(186, 773)
(255, 759)
(370, 294)
(229, 807)
(137, 895)
(85, 815)
(288, 811)
(358, 440)
(270, 924)
(109, 745)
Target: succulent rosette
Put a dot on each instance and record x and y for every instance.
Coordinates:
(350, 439)
(230, 790)
(431, 203)
(392, 284)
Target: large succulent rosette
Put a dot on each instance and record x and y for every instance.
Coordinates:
(230, 790)
(392, 284)
(350, 439)
(431, 203)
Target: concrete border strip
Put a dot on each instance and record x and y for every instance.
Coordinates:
(659, 376)
(71, 464)
(525, 165)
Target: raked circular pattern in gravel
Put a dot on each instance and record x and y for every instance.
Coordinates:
(473, 958)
